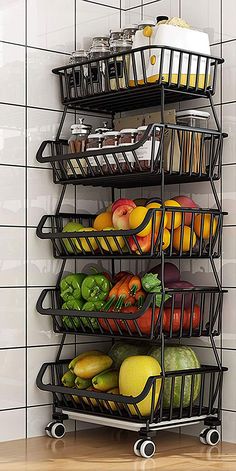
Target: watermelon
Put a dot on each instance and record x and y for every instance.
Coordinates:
(122, 350)
(178, 357)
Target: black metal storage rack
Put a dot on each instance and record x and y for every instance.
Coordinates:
(195, 78)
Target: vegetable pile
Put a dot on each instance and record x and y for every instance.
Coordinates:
(126, 294)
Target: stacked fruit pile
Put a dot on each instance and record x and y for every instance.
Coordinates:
(125, 370)
(160, 225)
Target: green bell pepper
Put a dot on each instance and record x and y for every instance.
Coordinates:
(72, 305)
(152, 284)
(95, 287)
(91, 306)
(71, 286)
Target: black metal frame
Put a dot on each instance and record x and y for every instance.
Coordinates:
(80, 90)
(67, 167)
(83, 96)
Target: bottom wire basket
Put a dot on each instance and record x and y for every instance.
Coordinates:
(175, 395)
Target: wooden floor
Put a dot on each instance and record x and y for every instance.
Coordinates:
(109, 449)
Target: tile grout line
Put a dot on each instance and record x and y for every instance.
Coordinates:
(26, 231)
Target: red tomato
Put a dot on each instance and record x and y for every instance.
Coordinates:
(195, 318)
(104, 324)
(175, 320)
(144, 322)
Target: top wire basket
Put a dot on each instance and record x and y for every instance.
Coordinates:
(134, 79)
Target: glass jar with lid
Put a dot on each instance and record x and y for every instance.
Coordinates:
(81, 73)
(142, 38)
(110, 139)
(77, 143)
(94, 143)
(129, 32)
(144, 153)
(127, 138)
(97, 70)
(119, 66)
(192, 145)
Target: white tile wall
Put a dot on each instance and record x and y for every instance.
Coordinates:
(30, 111)
(51, 24)
(12, 135)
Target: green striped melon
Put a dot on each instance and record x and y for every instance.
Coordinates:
(178, 357)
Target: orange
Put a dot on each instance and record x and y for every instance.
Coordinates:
(112, 241)
(209, 229)
(136, 218)
(103, 220)
(158, 215)
(176, 217)
(186, 239)
(166, 239)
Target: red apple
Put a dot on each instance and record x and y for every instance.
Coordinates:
(120, 217)
(186, 202)
(122, 202)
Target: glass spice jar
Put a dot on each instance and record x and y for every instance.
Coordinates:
(110, 139)
(94, 143)
(103, 128)
(118, 68)
(144, 153)
(77, 143)
(97, 71)
(127, 138)
(81, 73)
(129, 32)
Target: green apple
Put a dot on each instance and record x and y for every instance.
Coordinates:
(71, 227)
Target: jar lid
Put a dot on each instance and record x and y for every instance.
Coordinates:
(93, 136)
(130, 27)
(144, 23)
(118, 30)
(101, 38)
(144, 128)
(129, 131)
(81, 127)
(111, 133)
(103, 128)
(193, 113)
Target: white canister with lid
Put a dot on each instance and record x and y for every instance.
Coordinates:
(142, 38)
(178, 37)
(144, 152)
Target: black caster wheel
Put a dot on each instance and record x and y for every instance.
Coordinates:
(145, 448)
(55, 429)
(210, 436)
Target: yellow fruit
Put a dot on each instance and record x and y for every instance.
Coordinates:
(86, 244)
(103, 220)
(91, 400)
(209, 228)
(112, 241)
(166, 239)
(111, 403)
(176, 217)
(158, 215)
(76, 399)
(83, 355)
(187, 237)
(136, 218)
(134, 373)
(92, 365)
